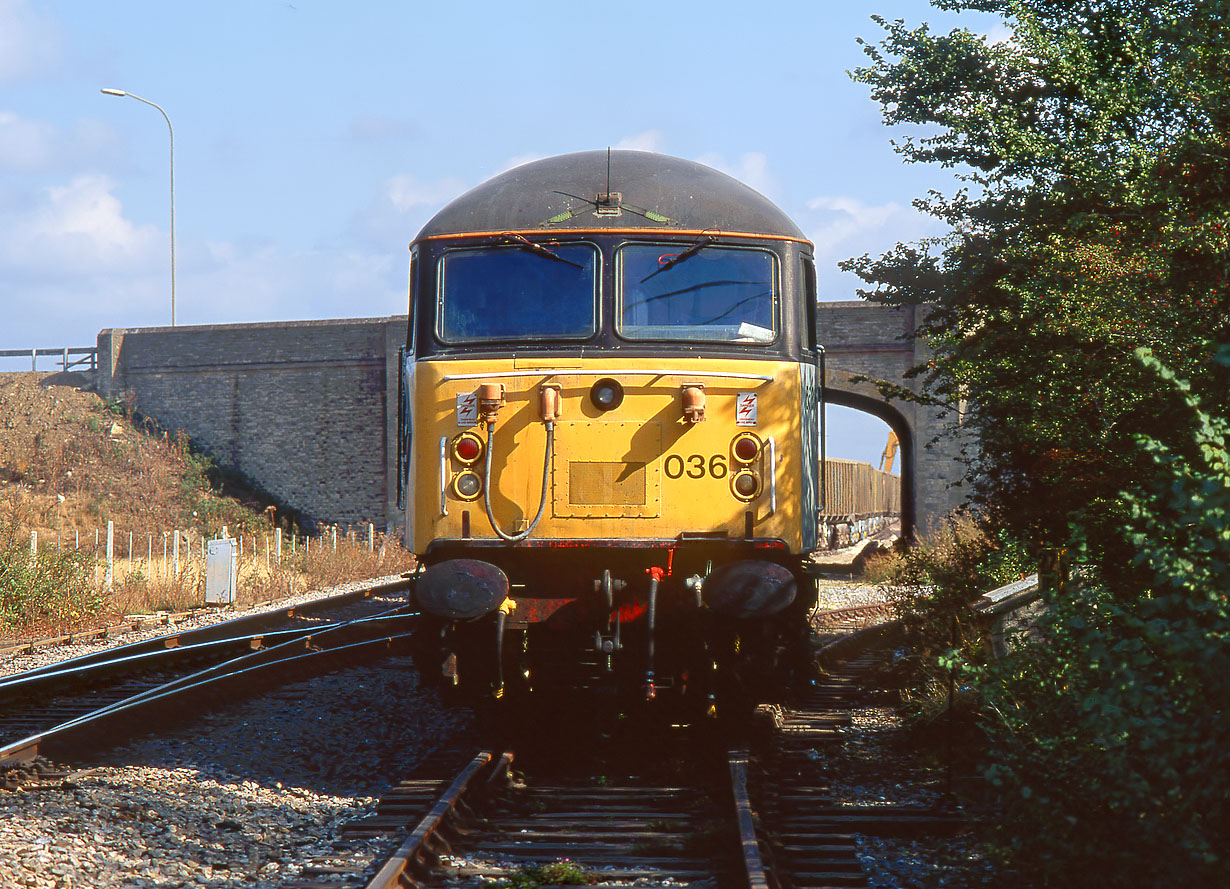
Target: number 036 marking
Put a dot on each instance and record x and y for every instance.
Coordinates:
(695, 466)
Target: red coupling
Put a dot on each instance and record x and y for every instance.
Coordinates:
(656, 573)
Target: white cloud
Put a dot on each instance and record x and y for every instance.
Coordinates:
(838, 219)
(649, 140)
(24, 144)
(842, 227)
(79, 227)
(518, 160)
(261, 281)
(406, 191)
(32, 145)
(751, 168)
(71, 263)
(29, 42)
(1000, 34)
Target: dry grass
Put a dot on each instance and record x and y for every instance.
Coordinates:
(70, 463)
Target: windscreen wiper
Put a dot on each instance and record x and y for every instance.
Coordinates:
(526, 244)
(675, 260)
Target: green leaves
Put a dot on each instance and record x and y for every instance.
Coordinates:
(1096, 222)
(1081, 306)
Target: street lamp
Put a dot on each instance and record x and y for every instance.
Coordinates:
(172, 132)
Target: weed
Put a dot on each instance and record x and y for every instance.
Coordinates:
(45, 588)
(557, 873)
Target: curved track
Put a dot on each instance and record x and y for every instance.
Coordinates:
(102, 697)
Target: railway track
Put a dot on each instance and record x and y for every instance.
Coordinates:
(629, 812)
(99, 698)
(766, 818)
(811, 832)
(486, 823)
(677, 812)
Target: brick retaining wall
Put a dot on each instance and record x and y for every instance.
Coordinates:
(303, 409)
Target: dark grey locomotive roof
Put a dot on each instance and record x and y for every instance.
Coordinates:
(569, 193)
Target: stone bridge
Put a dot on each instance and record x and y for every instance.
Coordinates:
(307, 410)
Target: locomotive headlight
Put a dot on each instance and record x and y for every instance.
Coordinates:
(467, 485)
(467, 448)
(745, 447)
(607, 394)
(745, 484)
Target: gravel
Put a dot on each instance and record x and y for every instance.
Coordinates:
(241, 797)
(848, 594)
(247, 796)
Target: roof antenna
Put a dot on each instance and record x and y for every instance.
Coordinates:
(609, 202)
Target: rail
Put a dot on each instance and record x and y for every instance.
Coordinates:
(399, 869)
(324, 649)
(89, 356)
(749, 842)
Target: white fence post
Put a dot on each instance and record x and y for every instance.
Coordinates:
(175, 552)
(33, 544)
(277, 547)
(371, 537)
(110, 553)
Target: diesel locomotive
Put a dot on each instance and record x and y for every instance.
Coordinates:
(610, 450)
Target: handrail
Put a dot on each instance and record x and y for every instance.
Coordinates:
(90, 353)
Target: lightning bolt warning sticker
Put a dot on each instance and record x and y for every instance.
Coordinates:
(467, 409)
(745, 409)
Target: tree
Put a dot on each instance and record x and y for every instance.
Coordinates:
(1116, 728)
(1093, 219)
(1084, 276)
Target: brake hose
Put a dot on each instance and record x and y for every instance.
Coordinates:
(542, 500)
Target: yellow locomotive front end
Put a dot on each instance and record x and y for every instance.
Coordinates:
(610, 433)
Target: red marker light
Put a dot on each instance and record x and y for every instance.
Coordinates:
(467, 448)
(746, 447)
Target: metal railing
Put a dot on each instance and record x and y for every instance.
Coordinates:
(88, 359)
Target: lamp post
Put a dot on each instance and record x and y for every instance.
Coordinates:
(172, 133)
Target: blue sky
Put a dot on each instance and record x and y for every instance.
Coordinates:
(313, 139)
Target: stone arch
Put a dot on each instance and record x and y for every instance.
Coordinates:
(835, 393)
(865, 339)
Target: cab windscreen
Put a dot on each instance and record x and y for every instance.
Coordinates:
(517, 292)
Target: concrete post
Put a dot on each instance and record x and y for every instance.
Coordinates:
(110, 553)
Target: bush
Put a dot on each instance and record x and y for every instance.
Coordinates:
(46, 589)
(932, 585)
(1110, 749)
